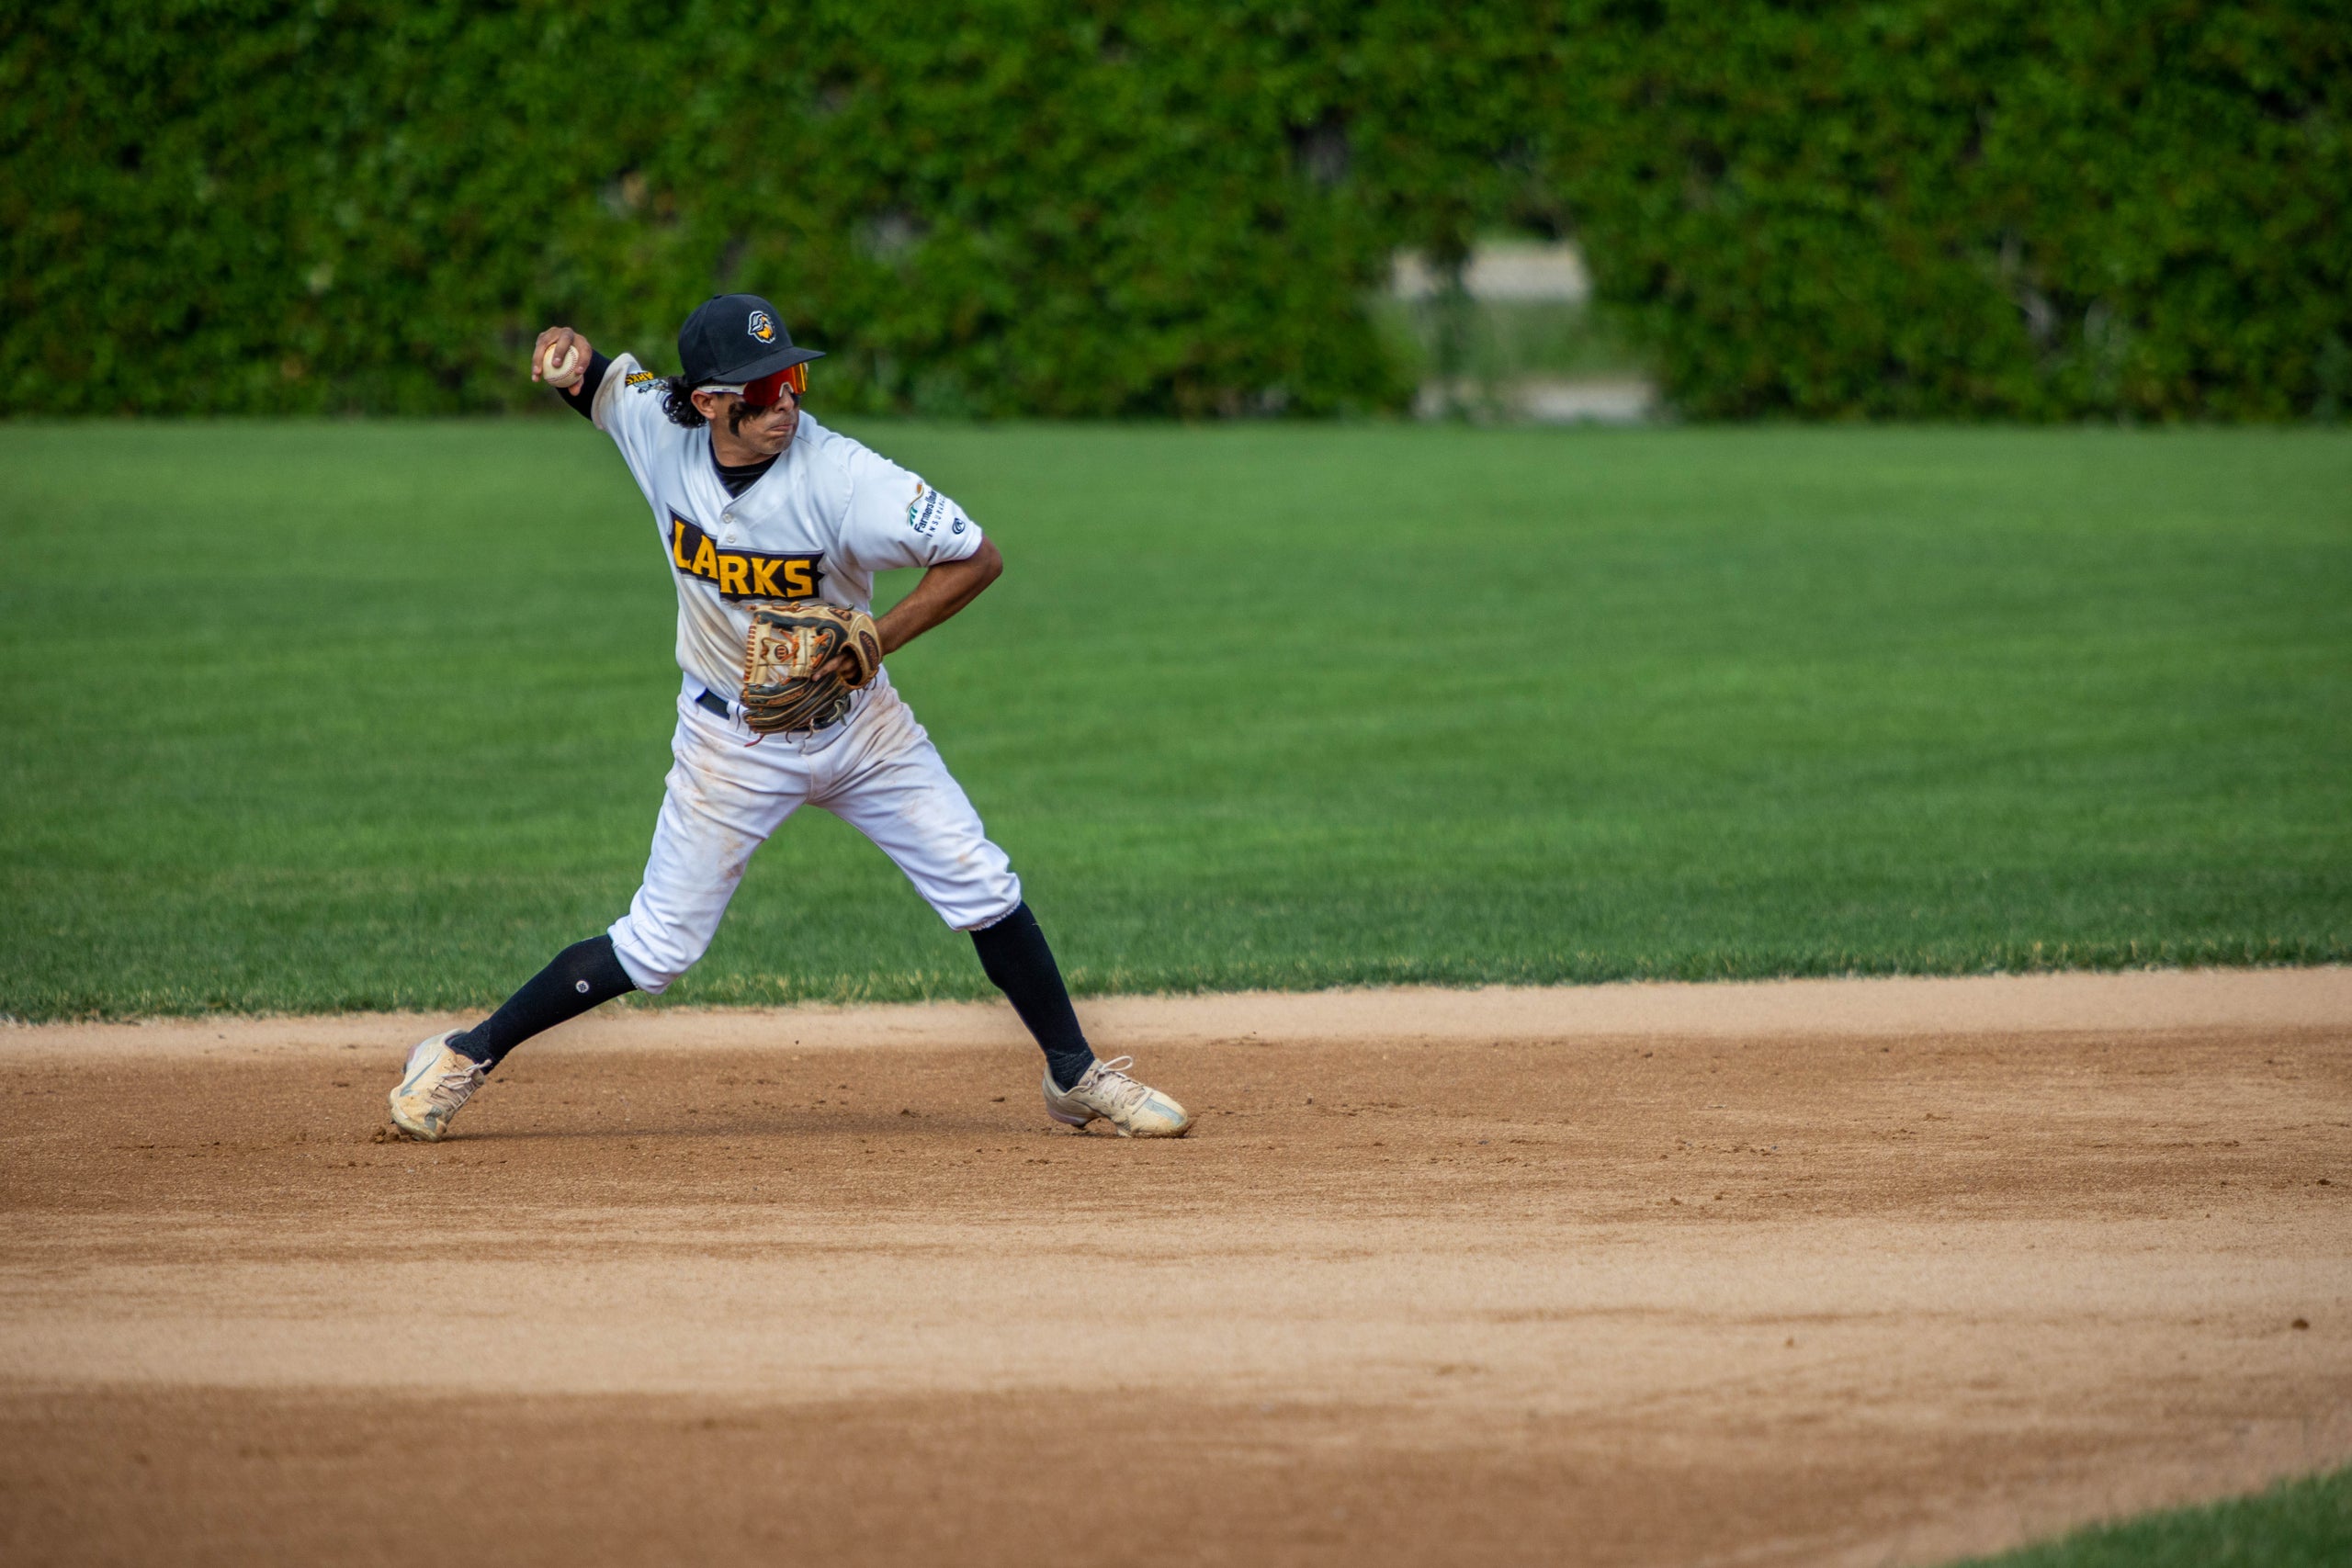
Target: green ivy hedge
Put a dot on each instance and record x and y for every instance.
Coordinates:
(2054, 209)
(2038, 210)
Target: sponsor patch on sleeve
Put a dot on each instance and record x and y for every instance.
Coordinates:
(925, 511)
(930, 509)
(638, 378)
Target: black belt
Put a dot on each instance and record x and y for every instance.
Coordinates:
(711, 702)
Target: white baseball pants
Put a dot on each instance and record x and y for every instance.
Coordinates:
(877, 771)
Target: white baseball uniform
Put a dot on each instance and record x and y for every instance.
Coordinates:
(819, 523)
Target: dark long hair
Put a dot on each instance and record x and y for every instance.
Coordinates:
(678, 402)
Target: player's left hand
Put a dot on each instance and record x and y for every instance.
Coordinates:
(790, 680)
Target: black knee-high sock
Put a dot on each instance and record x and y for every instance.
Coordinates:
(582, 975)
(1019, 963)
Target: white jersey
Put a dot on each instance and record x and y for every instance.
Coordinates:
(818, 525)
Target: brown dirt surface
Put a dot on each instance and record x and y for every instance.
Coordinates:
(1845, 1272)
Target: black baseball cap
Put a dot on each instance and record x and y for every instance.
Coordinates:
(737, 338)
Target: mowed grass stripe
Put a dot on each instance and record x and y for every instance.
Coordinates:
(308, 716)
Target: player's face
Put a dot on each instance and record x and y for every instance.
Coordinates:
(744, 432)
(767, 430)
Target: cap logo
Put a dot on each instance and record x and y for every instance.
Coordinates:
(762, 327)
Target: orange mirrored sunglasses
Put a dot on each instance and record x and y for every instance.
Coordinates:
(764, 393)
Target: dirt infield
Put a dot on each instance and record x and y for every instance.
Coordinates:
(1847, 1272)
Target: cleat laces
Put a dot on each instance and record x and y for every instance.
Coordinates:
(452, 1087)
(1115, 1088)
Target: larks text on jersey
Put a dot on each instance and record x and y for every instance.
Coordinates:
(742, 574)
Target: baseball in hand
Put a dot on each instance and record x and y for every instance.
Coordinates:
(562, 366)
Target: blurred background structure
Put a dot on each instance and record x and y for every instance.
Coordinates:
(2006, 209)
(1511, 333)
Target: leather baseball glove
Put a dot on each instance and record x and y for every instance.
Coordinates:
(783, 691)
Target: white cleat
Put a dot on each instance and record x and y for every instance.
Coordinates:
(1136, 1109)
(439, 1083)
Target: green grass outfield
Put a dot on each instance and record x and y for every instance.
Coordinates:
(321, 716)
(2297, 1524)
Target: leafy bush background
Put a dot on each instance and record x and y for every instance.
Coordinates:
(2049, 210)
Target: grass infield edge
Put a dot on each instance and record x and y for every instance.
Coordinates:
(2305, 1522)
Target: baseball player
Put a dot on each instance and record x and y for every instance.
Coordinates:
(773, 527)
